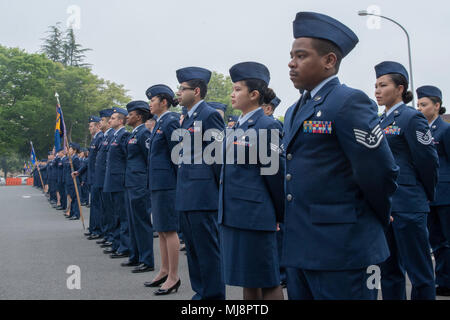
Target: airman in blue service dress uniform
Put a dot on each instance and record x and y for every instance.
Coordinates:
(430, 104)
(105, 217)
(198, 213)
(89, 167)
(115, 181)
(70, 187)
(411, 143)
(162, 180)
(61, 189)
(251, 204)
(220, 107)
(140, 226)
(340, 173)
(269, 109)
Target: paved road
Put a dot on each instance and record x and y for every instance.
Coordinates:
(37, 245)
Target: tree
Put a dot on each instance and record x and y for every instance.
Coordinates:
(53, 44)
(73, 55)
(219, 90)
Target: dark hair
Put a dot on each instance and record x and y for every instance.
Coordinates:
(324, 47)
(436, 100)
(400, 80)
(171, 102)
(197, 83)
(260, 86)
(144, 114)
(269, 95)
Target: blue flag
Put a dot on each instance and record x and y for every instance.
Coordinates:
(59, 129)
(32, 155)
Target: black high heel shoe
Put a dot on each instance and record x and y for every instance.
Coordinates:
(156, 283)
(162, 292)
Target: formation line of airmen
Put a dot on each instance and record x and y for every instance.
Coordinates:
(353, 189)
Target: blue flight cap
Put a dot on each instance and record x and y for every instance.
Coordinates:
(159, 89)
(106, 113)
(94, 119)
(275, 102)
(61, 148)
(249, 70)
(218, 105)
(429, 91)
(74, 145)
(120, 110)
(191, 73)
(138, 105)
(233, 118)
(320, 26)
(391, 67)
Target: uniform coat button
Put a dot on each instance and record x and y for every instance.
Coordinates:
(289, 156)
(289, 197)
(288, 177)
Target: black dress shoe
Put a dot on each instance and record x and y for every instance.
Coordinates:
(109, 251)
(74, 218)
(443, 291)
(129, 264)
(106, 245)
(119, 255)
(59, 208)
(162, 292)
(87, 234)
(157, 283)
(142, 268)
(101, 241)
(93, 237)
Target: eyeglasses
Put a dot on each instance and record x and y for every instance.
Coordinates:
(181, 89)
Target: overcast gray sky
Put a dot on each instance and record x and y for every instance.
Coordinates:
(140, 43)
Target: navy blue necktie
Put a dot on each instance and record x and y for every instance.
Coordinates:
(305, 98)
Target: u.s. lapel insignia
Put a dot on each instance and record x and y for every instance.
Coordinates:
(250, 121)
(319, 114)
(434, 127)
(317, 98)
(396, 112)
(195, 114)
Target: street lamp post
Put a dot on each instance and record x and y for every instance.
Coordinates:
(364, 13)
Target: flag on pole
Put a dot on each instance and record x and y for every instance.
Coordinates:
(60, 129)
(33, 154)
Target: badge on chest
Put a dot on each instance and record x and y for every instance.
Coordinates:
(318, 127)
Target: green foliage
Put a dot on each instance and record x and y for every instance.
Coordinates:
(61, 46)
(10, 162)
(219, 90)
(28, 83)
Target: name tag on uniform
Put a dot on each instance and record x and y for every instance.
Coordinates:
(132, 141)
(318, 127)
(194, 129)
(114, 143)
(393, 130)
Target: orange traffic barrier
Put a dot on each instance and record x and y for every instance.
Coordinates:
(29, 181)
(13, 181)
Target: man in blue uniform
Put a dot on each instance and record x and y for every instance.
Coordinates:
(61, 189)
(89, 167)
(340, 173)
(115, 182)
(70, 186)
(141, 231)
(195, 179)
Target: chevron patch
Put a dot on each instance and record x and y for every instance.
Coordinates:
(371, 139)
(424, 138)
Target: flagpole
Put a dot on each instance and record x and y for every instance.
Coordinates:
(37, 167)
(71, 168)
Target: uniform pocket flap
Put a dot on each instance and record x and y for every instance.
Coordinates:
(406, 180)
(247, 194)
(200, 174)
(332, 213)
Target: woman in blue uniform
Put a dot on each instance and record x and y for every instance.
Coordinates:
(74, 149)
(251, 204)
(430, 104)
(410, 140)
(162, 182)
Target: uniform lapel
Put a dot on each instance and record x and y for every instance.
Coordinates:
(307, 110)
(391, 119)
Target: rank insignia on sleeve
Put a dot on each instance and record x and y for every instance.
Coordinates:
(320, 127)
(424, 138)
(393, 130)
(371, 139)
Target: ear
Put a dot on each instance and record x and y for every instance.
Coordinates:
(330, 61)
(254, 95)
(197, 91)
